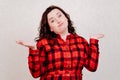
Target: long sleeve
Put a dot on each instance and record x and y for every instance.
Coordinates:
(92, 55)
(36, 61)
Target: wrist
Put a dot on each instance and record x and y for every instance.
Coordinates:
(33, 47)
(93, 37)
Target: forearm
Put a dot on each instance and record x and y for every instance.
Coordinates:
(33, 63)
(37, 61)
(92, 52)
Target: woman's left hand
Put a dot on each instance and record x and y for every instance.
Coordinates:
(97, 36)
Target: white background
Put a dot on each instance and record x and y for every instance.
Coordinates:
(19, 20)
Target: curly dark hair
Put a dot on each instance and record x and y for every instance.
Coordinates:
(44, 29)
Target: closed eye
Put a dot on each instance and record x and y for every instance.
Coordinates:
(59, 15)
(52, 21)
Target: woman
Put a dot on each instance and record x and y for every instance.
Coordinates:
(61, 54)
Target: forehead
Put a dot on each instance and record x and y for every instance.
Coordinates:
(53, 13)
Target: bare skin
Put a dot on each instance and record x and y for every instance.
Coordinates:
(33, 45)
(26, 44)
(58, 23)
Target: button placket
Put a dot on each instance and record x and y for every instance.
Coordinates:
(69, 65)
(67, 46)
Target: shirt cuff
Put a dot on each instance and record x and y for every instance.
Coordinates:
(31, 51)
(94, 41)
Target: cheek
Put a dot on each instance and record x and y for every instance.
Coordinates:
(66, 22)
(64, 18)
(52, 26)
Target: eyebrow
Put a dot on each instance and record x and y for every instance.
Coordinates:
(52, 17)
(57, 13)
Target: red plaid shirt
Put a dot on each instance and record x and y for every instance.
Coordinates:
(56, 59)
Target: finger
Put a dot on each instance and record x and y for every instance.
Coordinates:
(97, 36)
(100, 35)
(20, 42)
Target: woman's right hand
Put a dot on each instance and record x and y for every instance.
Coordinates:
(26, 44)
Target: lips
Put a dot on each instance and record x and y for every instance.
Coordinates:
(60, 24)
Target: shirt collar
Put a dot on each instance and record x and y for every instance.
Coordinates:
(71, 35)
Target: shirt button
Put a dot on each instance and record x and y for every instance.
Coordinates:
(67, 48)
(69, 66)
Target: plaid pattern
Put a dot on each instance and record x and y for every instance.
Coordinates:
(57, 59)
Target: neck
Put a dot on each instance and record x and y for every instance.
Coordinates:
(64, 35)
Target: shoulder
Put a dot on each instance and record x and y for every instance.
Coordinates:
(42, 42)
(79, 38)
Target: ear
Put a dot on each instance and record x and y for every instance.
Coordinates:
(51, 30)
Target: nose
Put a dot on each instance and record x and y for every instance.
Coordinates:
(58, 21)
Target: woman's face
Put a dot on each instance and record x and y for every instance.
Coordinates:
(57, 21)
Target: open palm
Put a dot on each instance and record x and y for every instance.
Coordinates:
(97, 36)
(26, 44)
